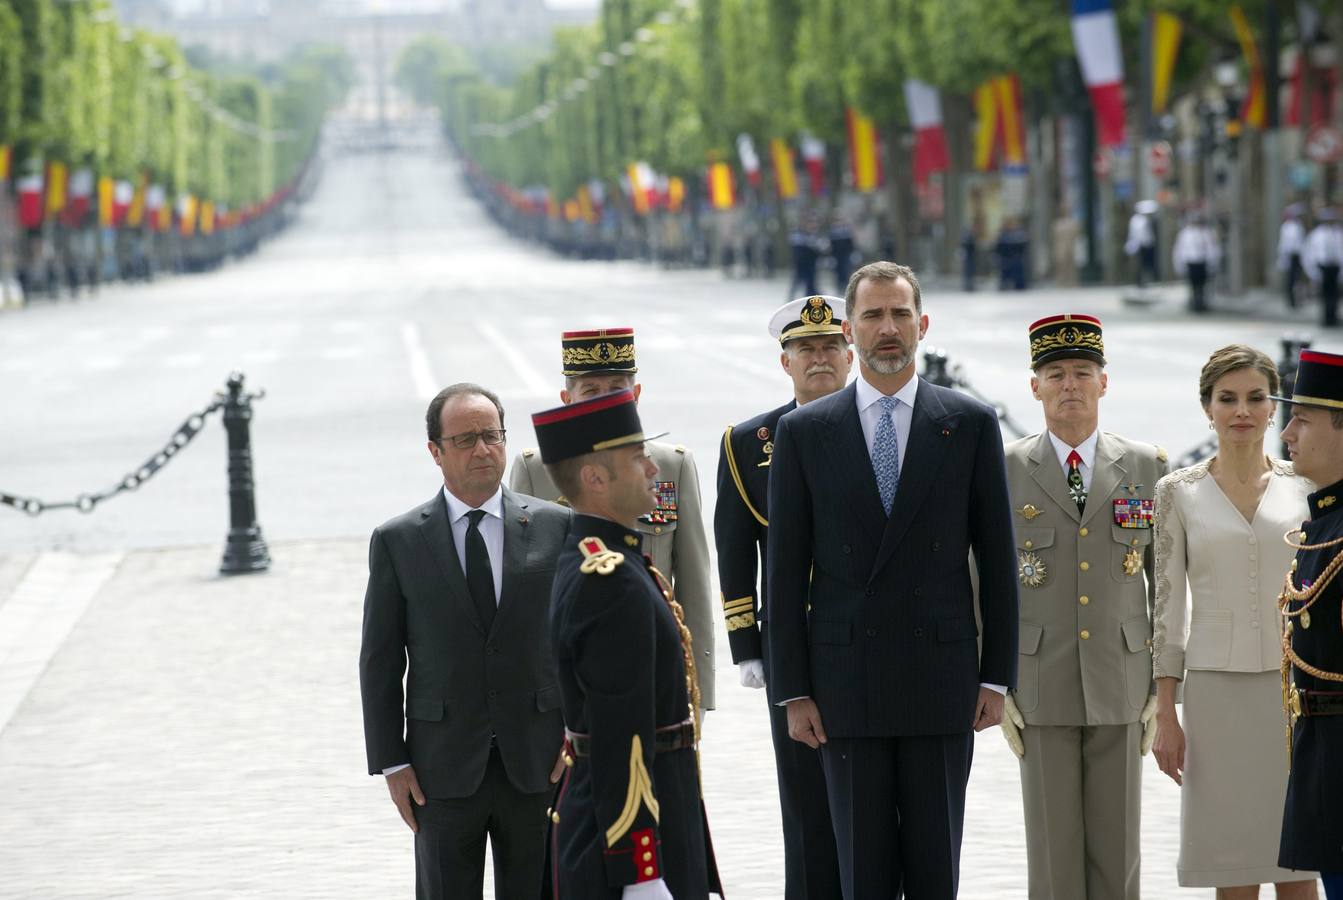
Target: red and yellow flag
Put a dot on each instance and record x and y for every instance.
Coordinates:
(1010, 127)
(106, 198)
(722, 191)
(1165, 48)
(863, 151)
(1254, 112)
(785, 169)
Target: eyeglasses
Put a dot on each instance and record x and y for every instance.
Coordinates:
(467, 439)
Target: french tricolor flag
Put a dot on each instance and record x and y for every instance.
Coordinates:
(925, 115)
(1096, 36)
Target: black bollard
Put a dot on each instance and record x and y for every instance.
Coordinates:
(244, 549)
(1292, 345)
(936, 368)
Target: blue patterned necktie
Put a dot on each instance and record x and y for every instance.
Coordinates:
(886, 454)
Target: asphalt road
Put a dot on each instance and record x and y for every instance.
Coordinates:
(391, 284)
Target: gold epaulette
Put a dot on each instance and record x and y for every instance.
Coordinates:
(597, 557)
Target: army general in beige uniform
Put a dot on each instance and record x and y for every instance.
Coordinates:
(599, 362)
(1082, 513)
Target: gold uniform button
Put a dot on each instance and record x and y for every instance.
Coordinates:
(1029, 544)
(647, 856)
(648, 871)
(1083, 532)
(555, 817)
(1084, 565)
(644, 840)
(657, 530)
(1083, 600)
(1085, 635)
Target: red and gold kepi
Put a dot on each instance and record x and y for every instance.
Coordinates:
(603, 350)
(602, 423)
(1067, 336)
(1319, 381)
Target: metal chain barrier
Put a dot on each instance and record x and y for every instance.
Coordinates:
(85, 503)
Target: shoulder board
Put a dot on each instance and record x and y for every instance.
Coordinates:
(1160, 453)
(680, 448)
(597, 557)
(529, 453)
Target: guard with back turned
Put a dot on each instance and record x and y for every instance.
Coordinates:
(816, 357)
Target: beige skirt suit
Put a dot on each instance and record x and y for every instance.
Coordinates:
(1216, 628)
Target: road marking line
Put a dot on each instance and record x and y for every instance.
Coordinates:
(420, 372)
(522, 367)
(45, 607)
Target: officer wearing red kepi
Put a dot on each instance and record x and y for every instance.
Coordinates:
(629, 818)
(1311, 604)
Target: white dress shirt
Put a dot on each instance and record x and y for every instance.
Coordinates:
(491, 529)
(1324, 247)
(1086, 450)
(869, 413)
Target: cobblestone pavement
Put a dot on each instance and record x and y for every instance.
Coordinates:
(200, 736)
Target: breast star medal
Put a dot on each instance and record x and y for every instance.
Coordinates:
(1132, 562)
(1031, 569)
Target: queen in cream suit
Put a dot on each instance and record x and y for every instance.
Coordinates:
(1220, 560)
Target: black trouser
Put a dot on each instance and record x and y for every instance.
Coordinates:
(450, 846)
(810, 862)
(1146, 264)
(898, 804)
(1329, 294)
(1293, 278)
(1198, 282)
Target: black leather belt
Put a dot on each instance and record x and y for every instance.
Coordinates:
(1321, 703)
(665, 739)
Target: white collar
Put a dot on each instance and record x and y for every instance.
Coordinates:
(1086, 449)
(493, 506)
(867, 394)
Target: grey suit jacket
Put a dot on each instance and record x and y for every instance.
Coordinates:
(678, 546)
(463, 684)
(1086, 582)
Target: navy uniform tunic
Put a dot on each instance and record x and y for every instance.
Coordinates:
(1312, 828)
(625, 813)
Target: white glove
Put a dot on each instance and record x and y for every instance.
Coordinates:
(648, 890)
(1148, 719)
(1012, 725)
(752, 673)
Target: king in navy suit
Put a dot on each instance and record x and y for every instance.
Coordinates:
(815, 355)
(878, 494)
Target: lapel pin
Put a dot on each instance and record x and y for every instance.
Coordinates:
(946, 432)
(523, 520)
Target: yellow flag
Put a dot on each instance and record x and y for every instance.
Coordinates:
(986, 112)
(106, 196)
(57, 175)
(785, 171)
(1165, 48)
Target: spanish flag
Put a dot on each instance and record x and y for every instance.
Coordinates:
(722, 191)
(1010, 127)
(1255, 111)
(1165, 48)
(863, 151)
(785, 169)
(986, 128)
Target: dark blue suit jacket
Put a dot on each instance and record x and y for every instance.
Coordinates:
(873, 617)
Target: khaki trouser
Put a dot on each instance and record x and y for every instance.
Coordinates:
(1082, 790)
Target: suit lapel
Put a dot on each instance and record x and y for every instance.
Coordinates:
(517, 538)
(1107, 475)
(1047, 472)
(437, 534)
(852, 462)
(923, 458)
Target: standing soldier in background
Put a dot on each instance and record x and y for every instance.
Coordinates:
(1291, 241)
(600, 362)
(1196, 254)
(817, 359)
(1312, 631)
(841, 250)
(1082, 713)
(1141, 241)
(806, 245)
(1322, 256)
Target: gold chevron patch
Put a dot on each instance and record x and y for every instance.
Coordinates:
(640, 790)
